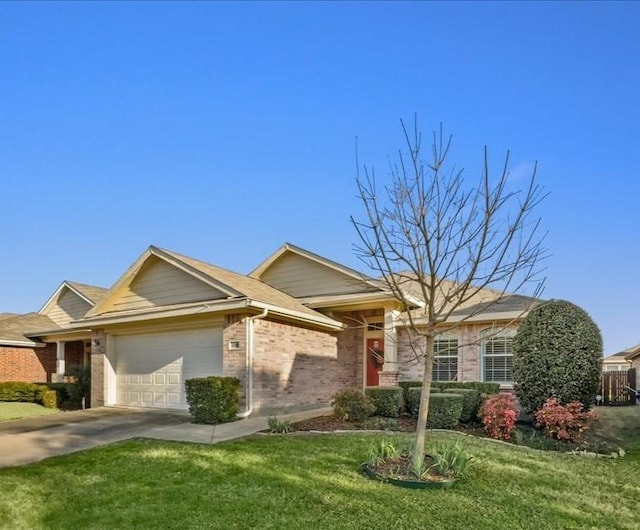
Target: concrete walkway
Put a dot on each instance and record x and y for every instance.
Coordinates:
(33, 439)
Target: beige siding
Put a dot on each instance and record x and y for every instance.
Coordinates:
(69, 306)
(158, 284)
(299, 276)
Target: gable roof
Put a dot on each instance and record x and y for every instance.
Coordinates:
(290, 248)
(620, 357)
(238, 291)
(319, 282)
(13, 330)
(631, 353)
(89, 293)
(7, 315)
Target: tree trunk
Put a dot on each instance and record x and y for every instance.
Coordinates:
(417, 458)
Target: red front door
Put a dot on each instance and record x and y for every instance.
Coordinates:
(375, 360)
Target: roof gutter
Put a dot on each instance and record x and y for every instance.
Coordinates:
(298, 315)
(22, 343)
(249, 360)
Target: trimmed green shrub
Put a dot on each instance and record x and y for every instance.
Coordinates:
(470, 402)
(352, 404)
(483, 388)
(50, 399)
(63, 396)
(406, 385)
(19, 391)
(79, 388)
(557, 352)
(388, 400)
(413, 400)
(213, 399)
(444, 411)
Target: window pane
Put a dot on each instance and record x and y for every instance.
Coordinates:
(498, 360)
(445, 363)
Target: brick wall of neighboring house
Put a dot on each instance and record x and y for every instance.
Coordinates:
(35, 365)
(293, 366)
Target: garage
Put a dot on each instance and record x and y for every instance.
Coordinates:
(151, 368)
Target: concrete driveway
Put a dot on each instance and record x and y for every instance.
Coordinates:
(33, 439)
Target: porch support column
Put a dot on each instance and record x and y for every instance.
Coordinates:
(389, 373)
(60, 364)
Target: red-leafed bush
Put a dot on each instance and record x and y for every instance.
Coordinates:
(499, 415)
(564, 422)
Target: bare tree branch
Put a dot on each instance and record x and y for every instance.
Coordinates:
(459, 245)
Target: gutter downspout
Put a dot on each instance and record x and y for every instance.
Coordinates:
(249, 361)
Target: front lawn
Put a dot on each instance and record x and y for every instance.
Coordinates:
(14, 410)
(312, 481)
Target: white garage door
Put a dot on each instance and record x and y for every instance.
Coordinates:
(151, 369)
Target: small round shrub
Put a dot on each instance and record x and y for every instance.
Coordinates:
(557, 353)
(499, 415)
(406, 385)
(352, 405)
(444, 411)
(470, 402)
(388, 400)
(566, 423)
(50, 399)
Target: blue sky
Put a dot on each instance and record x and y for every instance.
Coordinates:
(222, 130)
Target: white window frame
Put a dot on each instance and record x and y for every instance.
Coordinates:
(447, 338)
(492, 334)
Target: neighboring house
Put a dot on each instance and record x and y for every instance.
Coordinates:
(42, 358)
(633, 356)
(294, 331)
(617, 362)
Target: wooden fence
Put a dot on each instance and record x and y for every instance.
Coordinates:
(614, 388)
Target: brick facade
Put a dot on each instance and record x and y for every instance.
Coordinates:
(34, 365)
(293, 366)
(469, 354)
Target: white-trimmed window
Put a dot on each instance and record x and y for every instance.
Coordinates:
(497, 356)
(445, 359)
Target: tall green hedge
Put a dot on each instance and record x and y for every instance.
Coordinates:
(213, 399)
(557, 353)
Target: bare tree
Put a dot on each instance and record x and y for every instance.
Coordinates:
(427, 229)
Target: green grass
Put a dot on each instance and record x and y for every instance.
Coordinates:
(14, 411)
(312, 481)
